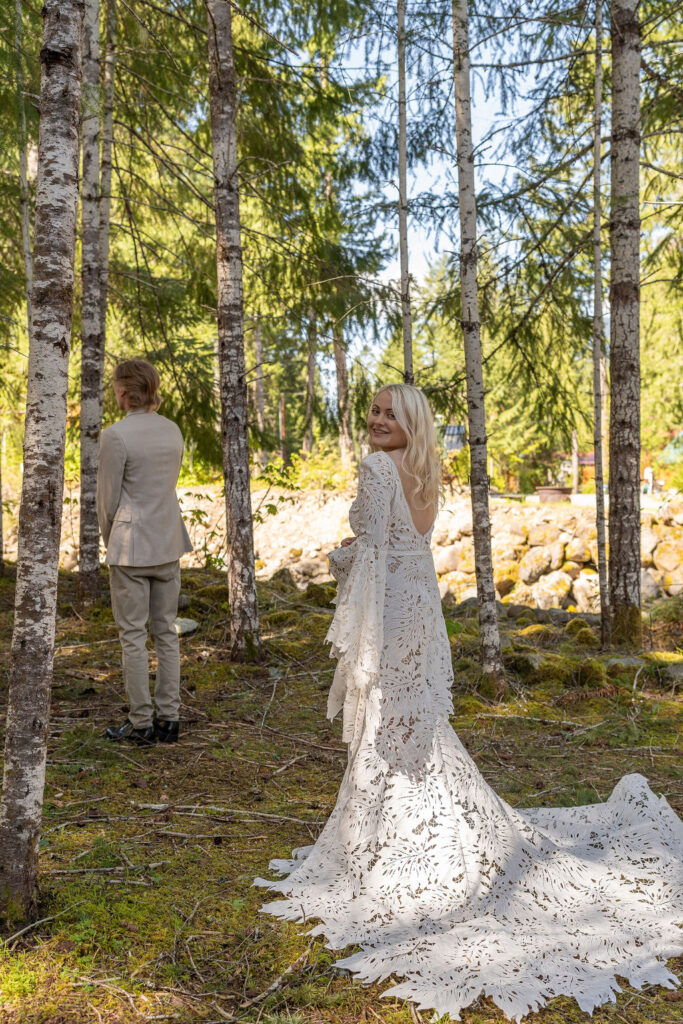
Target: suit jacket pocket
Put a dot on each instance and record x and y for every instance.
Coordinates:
(123, 515)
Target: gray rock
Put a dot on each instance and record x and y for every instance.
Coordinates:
(447, 559)
(533, 564)
(586, 591)
(648, 588)
(184, 627)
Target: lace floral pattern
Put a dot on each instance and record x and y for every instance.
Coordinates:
(439, 881)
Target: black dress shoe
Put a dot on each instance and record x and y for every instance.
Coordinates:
(166, 732)
(141, 737)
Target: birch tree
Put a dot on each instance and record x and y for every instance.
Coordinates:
(307, 444)
(408, 375)
(624, 458)
(244, 615)
(343, 403)
(40, 512)
(597, 352)
(259, 389)
(108, 79)
(92, 347)
(23, 159)
(492, 661)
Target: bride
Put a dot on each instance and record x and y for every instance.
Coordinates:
(421, 864)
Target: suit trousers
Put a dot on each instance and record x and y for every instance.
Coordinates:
(142, 593)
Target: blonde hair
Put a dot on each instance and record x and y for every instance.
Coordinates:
(141, 381)
(421, 459)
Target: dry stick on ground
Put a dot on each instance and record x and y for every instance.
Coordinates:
(274, 986)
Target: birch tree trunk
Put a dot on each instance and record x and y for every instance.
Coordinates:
(598, 360)
(108, 79)
(408, 375)
(492, 661)
(244, 615)
(2, 517)
(348, 454)
(575, 462)
(23, 160)
(262, 457)
(92, 347)
(310, 383)
(40, 512)
(624, 490)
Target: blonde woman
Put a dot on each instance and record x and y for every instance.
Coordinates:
(421, 864)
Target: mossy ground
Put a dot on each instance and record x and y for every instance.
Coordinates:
(148, 855)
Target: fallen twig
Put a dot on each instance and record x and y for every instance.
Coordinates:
(43, 920)
(278, 981)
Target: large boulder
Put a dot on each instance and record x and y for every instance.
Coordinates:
(505, 576)
(543, 534)
(648, 588)
(668, 557)
(577, 550)
(552, 590)
(648, 542)
(447, 559)
(556, 555)
(586, 591)
(533, 564)
(506, 546)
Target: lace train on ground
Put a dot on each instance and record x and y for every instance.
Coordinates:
(437, 879)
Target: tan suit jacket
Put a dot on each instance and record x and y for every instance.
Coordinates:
(137, 505)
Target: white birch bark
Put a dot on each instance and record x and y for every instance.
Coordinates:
(260, 397)
(244, 615)
(624, 489)
(348, 454)
(307, 445)
(92, 341)
(108, 79)
(408, 375)
(23, 161)
(598, 360)
(40, 512)
(575, 462)
(492, 661)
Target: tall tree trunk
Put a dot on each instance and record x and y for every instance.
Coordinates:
(2, 515)
(408, 375)
(575, 462)
(348, 454)
(92, 348)
(244, 615)
(598, 358)
(492, 661)
(310, 383)
(108, 80)
(23, 160)
(40, 513)
(624, 459)
(262, 457)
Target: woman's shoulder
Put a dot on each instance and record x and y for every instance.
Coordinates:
(379, 466)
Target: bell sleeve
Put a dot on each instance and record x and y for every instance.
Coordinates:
(357, 630)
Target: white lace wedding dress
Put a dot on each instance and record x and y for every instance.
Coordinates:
(438, 880)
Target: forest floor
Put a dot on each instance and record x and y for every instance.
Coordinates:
(148, 855)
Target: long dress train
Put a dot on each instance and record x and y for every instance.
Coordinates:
(437, 879)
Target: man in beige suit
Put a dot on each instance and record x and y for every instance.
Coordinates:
(140, 521)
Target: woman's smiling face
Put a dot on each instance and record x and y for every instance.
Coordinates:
(385, 432)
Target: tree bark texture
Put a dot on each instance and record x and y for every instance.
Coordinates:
(23, 160)
(408, 375)
(492, 661)
(40, 511)
(348, 454)
(310, 382)
(2, 518)
(598, 359)
(108, 81)
(260, 397)
(624, 489)
(576, 470)
(244, 614)
(92, 339)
